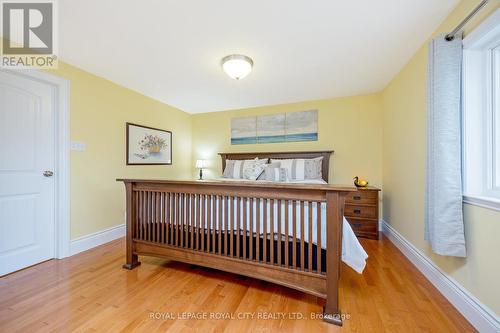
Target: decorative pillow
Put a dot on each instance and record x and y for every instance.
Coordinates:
(313, 168)
(301, 169)
(253, 169)
(239, 169)
(276, 174)
(267, 166)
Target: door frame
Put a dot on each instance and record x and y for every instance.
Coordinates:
(61, 100)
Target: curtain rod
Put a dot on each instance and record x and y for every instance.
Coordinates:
(451, 35)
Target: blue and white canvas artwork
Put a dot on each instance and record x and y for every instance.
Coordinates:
(271, 128)
(243, 130)
(302, 126)
(281, 127)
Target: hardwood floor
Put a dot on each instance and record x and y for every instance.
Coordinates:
(91, 292)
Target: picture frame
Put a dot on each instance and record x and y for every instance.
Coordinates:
(275, 128)
(148, 145)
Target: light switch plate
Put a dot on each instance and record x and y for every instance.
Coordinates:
(77, 146)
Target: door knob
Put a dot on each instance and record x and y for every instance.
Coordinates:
(48, 173)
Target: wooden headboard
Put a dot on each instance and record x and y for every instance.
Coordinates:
(282, 155)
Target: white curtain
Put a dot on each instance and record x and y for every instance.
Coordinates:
(444, 227)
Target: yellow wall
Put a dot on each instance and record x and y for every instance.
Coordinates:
(350, 126)
(404, 154)
(99, 110)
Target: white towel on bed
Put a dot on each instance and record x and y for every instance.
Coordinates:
(353, 254)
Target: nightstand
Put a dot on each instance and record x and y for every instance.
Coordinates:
(361, 211)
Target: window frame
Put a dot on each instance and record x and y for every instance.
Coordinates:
(481, 109)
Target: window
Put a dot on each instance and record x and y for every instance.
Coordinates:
(481, 114)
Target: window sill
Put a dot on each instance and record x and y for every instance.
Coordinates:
(485, 202)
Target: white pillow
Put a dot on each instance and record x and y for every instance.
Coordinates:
(301, 169)
(254, 169)
(276, 174)
(244, 169)
(295, 168)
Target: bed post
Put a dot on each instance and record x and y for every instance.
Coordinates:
(334, 220)
(132, 260)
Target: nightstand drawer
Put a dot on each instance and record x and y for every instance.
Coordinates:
(369, 212)
(362, 197)
(364, 228)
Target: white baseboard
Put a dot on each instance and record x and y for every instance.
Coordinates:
(87, 242)
(480, 316)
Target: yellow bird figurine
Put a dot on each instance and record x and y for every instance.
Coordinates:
(360, 182)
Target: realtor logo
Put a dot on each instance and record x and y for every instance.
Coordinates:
(28, 34)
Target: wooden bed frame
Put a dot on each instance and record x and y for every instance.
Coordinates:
(211, 224)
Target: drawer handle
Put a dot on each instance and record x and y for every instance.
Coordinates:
(357, 225)
(357, 211)
(357, 197)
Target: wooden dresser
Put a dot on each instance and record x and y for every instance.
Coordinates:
(361, 210)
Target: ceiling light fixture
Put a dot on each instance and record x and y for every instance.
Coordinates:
(237, 66)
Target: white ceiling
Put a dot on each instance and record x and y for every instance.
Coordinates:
(302, 49)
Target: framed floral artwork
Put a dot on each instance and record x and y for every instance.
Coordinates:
(148, 145)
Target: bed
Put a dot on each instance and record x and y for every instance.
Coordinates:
(294, 235)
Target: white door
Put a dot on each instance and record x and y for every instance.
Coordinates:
(27, 228)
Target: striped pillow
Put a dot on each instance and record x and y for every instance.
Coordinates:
(302, 169)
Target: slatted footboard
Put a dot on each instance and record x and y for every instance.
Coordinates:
(282, 233)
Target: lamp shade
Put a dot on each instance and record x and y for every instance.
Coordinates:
(237, 66)
(200, 164)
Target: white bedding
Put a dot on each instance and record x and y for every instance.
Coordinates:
(353, 253)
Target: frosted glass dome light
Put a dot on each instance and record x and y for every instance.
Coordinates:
(237, 66)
